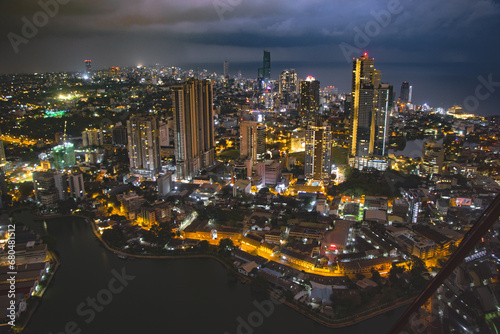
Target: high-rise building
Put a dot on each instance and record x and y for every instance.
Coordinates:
(88, 67)
(119, 135)
(385, 105)
(405, 94)
(144, 145)
(287, 83)
(252, 141)
(309, 97)
(76, 186)
(194, 142)
(164, 137)
(264, 73)
(318, 160)
(371, 105)
(226, 69)
(261, 142)
(3, 159)
(50, 188)
(61, 184)
(92, 137)
(64, 156)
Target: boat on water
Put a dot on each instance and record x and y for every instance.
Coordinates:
(122, 256)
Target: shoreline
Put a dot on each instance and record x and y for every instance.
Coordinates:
(35, 307)
(354, 319)
(329, 324)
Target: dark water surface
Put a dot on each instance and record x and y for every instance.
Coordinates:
(166, 296)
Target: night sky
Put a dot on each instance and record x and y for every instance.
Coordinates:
(440, 46)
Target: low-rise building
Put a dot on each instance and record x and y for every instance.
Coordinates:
(338, 239)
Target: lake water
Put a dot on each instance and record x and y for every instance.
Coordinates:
(165, 296)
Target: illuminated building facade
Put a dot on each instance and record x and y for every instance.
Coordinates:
(318, 160)
(64, 156)
(194, 142)
(144, 145)
(309, 97)
(288, 83)
(88, 65)
(371, 105)
(3, 159)
(50, 188)
(433, 157)
(252, 141)
(406, 92)
(92, 137)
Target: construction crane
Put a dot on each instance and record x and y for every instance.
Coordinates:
(64, 135)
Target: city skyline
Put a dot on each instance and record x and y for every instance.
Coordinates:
(440, 48)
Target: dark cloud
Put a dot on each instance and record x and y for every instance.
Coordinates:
(121, 32)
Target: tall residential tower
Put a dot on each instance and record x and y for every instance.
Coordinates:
(309, 97)
(144, 146)
(194, 127)
(371, 105)
(318, 161)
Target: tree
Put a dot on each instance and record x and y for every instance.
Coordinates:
(226, 246)
(223, 143)
(162, 233)
(203, 245)
(394, 272)
(375, 276)
(113, 236)
(418, 267)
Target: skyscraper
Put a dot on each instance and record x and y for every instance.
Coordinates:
(371, 104)
(226, 69)
(405, 94)
(144, 145)
(264, 73)
(261, 142)
(318, 161)
(309, 97)
(194, 142)
(3, 159)
(287, 83)
(92, 137)
(88, 67)
(385, 104)
(252, 141)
